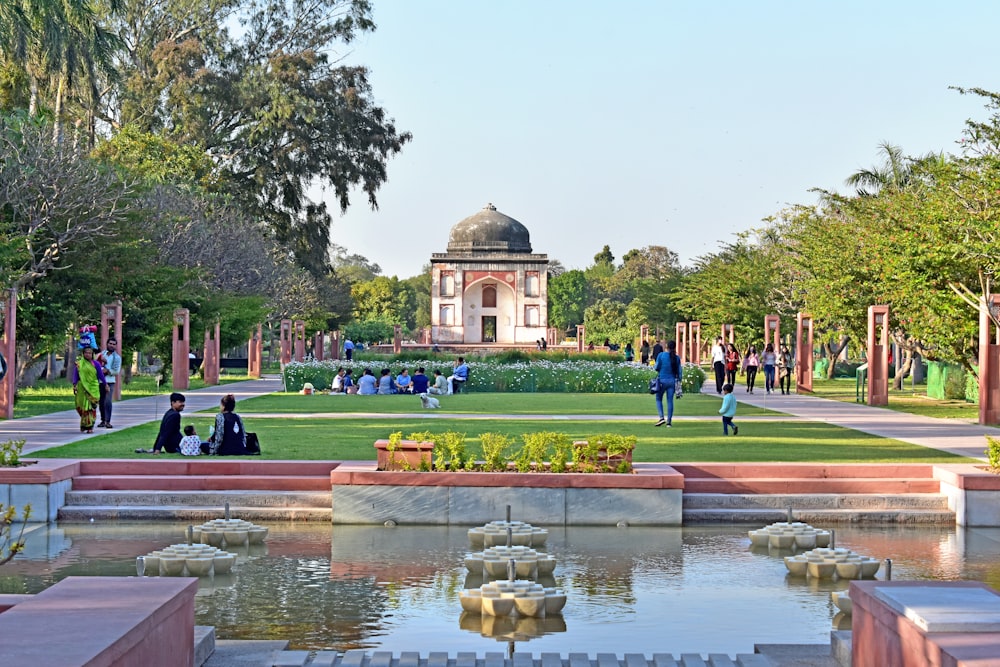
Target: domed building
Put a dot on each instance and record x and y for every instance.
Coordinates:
(489, 287)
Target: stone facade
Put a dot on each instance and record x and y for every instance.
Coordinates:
(489, 287)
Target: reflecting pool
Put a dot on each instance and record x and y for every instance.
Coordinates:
(698, 589)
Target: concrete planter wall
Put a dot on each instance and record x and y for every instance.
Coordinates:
(973, 493)
(363, 495)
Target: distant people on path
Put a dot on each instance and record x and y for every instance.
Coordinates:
(348, 349)
(419, 382)
(769, 361)
(629, 353)
(440, 384)
(719, 364)
(385, 383)
(668, 369)
(367, 384)
(728, 410)
(88, 378)
(229, 437)
(644, 353)
(751, 364)
(190, 443)
(732, 363)
(111, 365)
(459, 376)
(169, 438)
(785, 367)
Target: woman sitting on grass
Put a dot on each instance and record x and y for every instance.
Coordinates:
(229, 438)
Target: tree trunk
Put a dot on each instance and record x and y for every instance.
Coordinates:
(904, 369)
(833, 351)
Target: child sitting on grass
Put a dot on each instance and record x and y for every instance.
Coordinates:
(190, 443)
(728, 410)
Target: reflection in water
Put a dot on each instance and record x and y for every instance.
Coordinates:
(644, 590)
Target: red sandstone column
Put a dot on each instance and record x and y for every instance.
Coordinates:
(300, 340)
(728, 333)
(213, 352)
(397, 339)
(551, 336)
(111, 326)
(643, 333)
(772, 331)
(255, 352)
(319, 342)
(580, 335)
(681, 334)
(878, 355)
(335, 345)
(803, 352)
(286, 342)
(8, 347)
(181, 349)
(694, 329)
(989, 361)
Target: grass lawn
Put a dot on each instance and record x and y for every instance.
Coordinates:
(353, 438)
(48, 397)
(913, 402)
(497, 404)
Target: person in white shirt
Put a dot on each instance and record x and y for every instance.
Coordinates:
(190, 443)
(719, 364)
(111, 362)
(338, 381)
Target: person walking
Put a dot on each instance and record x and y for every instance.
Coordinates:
(785, 367)
(348, 349)
(644, 353)
(719, 364)
(751, 364)
(668, 369)
(112, 366)
(88, 380)
(732, 363)
(770, 360)
(728, 410)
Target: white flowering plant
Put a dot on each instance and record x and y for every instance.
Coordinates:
(539, 375)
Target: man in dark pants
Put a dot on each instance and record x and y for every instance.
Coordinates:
(169, 437)
(719, 364)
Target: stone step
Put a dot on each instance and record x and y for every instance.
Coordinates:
(807, 485)
(828, 501)
(820, 516)
(84, 513)
(519, 659)
(201, 483)
(266, 499)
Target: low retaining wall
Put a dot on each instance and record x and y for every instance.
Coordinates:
(42, 484)
(973, 493)
(651, 496)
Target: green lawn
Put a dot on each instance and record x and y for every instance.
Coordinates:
(914, 402)
(48, 397)
(503, 404)
(352, 439)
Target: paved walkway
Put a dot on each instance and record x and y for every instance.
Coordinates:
(948, 435)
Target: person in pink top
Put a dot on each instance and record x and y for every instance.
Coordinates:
(751, 363)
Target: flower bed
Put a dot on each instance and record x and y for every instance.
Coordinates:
(574, 376)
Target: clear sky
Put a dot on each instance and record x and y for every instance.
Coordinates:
(653, 122)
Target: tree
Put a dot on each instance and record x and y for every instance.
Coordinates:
(268, 103)
(567, 299)
(605, 320)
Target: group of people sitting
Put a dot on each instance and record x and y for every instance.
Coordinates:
(227, 436)
(403, 383)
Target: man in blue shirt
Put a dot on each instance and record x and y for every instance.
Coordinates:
(403, 382)
(419, 382)
(459, 375)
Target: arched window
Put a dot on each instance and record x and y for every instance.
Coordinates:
(447, 315)
(531, 283)
(531, 316)
(447, 283)
(489, 296)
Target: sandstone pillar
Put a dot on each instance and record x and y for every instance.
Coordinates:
(694, 333)
(681, 335)
(8, 348)
(319, 343)
(299, 336)
(111, 327)
(335, 345)
(255, 352)
(213, 353)
(397, 339)
(286, 341)
(803, 352)
(989, 361)
(878, 355)
(772, 332)
(182, 349)
(728, 333)
(581, 332)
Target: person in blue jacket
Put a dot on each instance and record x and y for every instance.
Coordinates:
(668, 368)
(728, 410)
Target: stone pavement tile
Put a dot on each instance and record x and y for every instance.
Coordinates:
(243, 653)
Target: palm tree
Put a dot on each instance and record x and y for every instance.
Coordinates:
(896, 173)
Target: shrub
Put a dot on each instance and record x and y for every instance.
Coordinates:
(993, 452)
(10, 453)
(495, 446)
(9, 545)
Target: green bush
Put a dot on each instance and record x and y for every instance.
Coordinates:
(993, 452)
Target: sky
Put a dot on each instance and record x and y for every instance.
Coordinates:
(654, 122)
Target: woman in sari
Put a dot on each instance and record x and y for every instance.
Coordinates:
(87, 380)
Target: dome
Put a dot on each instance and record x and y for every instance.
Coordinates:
(489, 231)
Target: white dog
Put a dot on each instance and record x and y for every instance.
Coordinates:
(429, 402)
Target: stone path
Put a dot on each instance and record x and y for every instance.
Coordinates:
(948, 435)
